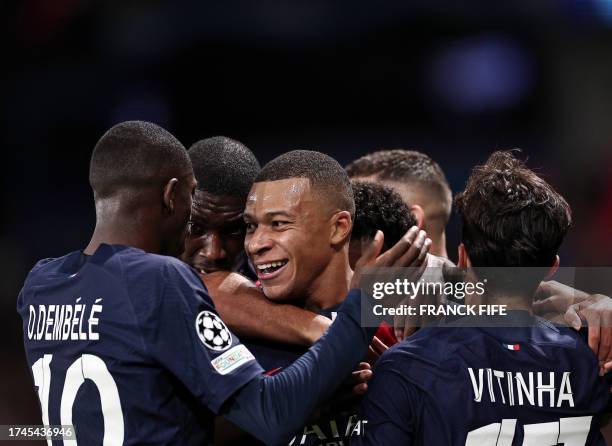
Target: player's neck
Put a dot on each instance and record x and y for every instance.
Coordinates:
(331, 287)
(438, 246)
(511, 303)
(118, 232)
(125, 220)
(438, 240)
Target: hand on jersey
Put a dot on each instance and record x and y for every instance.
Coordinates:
(360, 378)
(576, 308)
(552, 300)
(596, 311)
(348, 395)
(376, 348)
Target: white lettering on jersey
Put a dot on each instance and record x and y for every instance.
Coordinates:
(549, 393)
(76, 322)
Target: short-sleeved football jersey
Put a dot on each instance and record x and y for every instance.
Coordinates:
(536, 384)
(337, 420)
(128, 347)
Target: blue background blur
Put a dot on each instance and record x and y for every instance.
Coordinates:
(344, 78)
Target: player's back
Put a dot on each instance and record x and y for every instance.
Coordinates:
(107, 338)
(531, 385)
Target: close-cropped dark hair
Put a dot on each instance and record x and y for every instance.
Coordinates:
(409, 166)
(325, 174)
(379, 207)
(511, 217)
(223, 166)
(134, 155)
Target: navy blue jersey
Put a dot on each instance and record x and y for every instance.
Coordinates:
(128, 347)
(448, 385)
(336, 420)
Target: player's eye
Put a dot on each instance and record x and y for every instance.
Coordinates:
(250, 227)
(279, 223)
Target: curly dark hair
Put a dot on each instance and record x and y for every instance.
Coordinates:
(379, 207)
(511, 216)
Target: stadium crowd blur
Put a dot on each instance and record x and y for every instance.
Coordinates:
(342, 78)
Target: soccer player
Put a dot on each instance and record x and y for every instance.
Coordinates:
(377, 208)
(299, 219)
(421, 183)
(224, 169)
(126, 344)
(530, 383)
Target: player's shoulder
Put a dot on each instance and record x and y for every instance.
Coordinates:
(566, 343)
(48, 268)
(138, 262)
(152, 282)
(546, 333)
(151, 276)
(429, 346)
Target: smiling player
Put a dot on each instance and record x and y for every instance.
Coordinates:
(225, 170)
(126, 343)
(299, 219)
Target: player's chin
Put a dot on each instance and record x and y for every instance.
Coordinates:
(278, 292)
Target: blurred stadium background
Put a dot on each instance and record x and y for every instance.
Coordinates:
(344, 78)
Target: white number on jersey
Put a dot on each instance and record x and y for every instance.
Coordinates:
(86, 367)
(569, 431)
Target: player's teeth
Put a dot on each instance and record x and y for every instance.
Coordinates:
(266, 266)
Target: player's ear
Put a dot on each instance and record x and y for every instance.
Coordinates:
(463, 260)
(553, 269)
(341, 225)
(169, 197)
(419, 215)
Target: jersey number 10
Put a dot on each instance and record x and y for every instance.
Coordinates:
(86, 367)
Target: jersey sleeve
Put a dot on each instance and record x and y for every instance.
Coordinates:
(390, 408)
(192, 342)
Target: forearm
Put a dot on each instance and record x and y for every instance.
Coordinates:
(257, 317)
(274, 408)
(248, 313)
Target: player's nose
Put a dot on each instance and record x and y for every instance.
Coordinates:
(258, 242)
